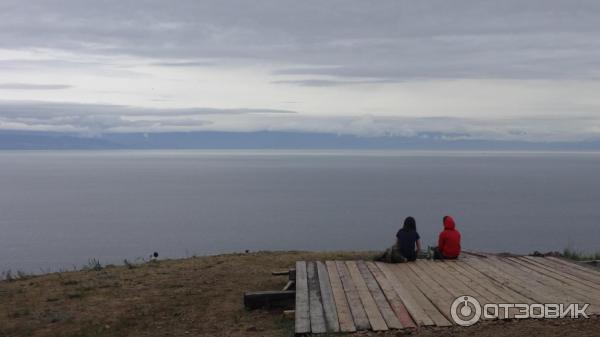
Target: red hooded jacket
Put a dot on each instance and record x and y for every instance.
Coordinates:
(449, 241)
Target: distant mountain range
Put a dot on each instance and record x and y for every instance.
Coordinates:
(24, 140)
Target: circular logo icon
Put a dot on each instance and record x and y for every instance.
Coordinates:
(465, 310)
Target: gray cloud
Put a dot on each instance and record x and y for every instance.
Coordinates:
(184, 64)
(16, 65)
(97, 119)
(32, 86)
(313, 44)
(36, 109)
(101, 118)
(330, 83)
(384, 39)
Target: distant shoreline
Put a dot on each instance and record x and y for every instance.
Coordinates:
(308, 151)
(282, 140)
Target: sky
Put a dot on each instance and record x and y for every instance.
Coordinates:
(485, 70)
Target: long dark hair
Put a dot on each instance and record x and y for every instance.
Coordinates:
(410, 224)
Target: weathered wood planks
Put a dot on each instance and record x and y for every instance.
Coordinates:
(570, 268)
(493, 284)
(411, 298)
(417, 289)
(507, 280)
(559, 270)
(269, 299)
(346, 296)
(358, 312)
(329, 309)
(341, 303)
(580, 286)
(317, 316)
(392, 297)
(382, 303)
(439, 296)
(375, 317)
(535, 282)
(302, 318)
(569, 292)
(587, 270)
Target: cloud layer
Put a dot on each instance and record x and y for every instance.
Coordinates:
(484, 69)
(90, 120)
(33, 86)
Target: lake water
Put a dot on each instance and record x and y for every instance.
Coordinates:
(59, 209)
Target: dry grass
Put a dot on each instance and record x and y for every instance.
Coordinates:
(191, 297)
(199, 296)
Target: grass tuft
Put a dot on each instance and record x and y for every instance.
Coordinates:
(10, 277)
(576, 255)
(93, 265)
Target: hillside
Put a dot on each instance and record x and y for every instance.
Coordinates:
(199, 296)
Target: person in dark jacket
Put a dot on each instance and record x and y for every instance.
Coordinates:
(448, 242)
(408, 239)
(407, 244)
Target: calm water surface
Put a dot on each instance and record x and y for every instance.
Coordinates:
(58, 209)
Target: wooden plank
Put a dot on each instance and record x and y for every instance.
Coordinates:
(419, 290)
(528, 280)
(392, 297)
(589, 270)
(508, 280)
(534, 282)
(468, 285)
(288, 285)
(505, 294)
(582, 274)
(560, 271)
(558, 288)
(375, 318)
(575, 285)
(331, 317)
(361, 321)
(269, 299)
(384, 307)
(341, 303)
(457, 288)
(317, 317)
(444, 280)
(494, 280)
(440, 297)
(476, 254)
(408, 297)
(448, 280)
(302, 318)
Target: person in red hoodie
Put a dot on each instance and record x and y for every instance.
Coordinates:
(449, 241)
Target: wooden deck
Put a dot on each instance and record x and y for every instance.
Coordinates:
(347, 296)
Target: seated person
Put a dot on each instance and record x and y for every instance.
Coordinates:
(407, 244)
(408, 239)
(449, 241)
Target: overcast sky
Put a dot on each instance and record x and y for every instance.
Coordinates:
(500, 70)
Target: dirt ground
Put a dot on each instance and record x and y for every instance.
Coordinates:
(200, 296)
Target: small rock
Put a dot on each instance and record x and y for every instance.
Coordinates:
(252, 328)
